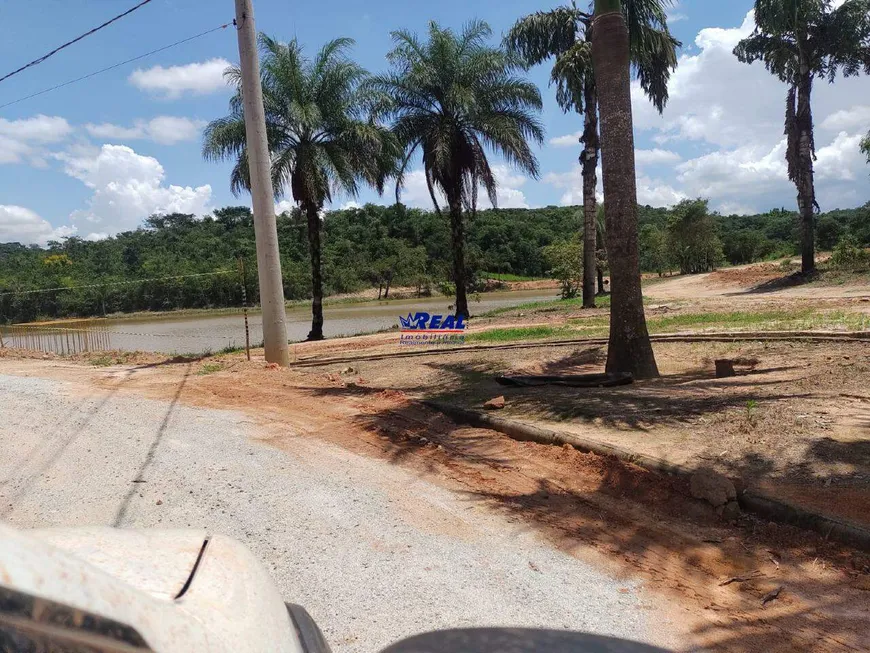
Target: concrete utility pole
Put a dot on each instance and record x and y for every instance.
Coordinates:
(259, 163)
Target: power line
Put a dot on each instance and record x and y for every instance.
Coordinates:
(112, 67)
(114, 283)
(75, 40)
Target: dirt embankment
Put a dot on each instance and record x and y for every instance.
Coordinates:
(761, 281)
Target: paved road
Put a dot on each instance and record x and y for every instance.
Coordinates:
(374, 552)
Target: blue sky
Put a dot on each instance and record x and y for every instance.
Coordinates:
(97, 157)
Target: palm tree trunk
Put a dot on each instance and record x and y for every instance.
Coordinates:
(629, 349)
(457, 237)
(589, 161)
(805, 177)
(313, 216)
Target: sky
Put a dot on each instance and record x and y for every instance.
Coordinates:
(97, 157)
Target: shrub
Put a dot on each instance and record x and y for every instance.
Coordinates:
(566, 265)
(849, 256)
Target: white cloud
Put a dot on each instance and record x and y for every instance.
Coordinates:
(197, 78)
(655, 192)
(509, 196)
(18, 224)
(674, 13)
(737, 111)
(571, 182)
(166, 130)
(128, 187)
(655, 156)
(350, 205)
(284, 206)
(842, 160)
(714, 97)
(25, 140)
(568, 140)
(652, 191)
(855, 118)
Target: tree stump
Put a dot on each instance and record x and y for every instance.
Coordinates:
(724, 368)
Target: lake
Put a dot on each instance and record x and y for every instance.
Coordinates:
(197, 333)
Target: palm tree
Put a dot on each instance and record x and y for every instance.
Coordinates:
(453, 97)
(629, 348)
(565, 34)
(321, 137)
(799, 41)
(865, 146)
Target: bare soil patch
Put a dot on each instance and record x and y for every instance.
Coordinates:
(796, 415)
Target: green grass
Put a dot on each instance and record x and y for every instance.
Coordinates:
(210, 368)
(506, 276)
(512, 334)
(799, 320)
(598, 326)
(546, 306)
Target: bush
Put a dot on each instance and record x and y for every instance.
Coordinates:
(693, 240)
(447, 288)
(566, 265)
(849, 256)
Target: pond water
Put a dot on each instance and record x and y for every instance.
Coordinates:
(202, 332)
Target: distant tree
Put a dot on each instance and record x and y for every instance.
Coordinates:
(565, 259)
(654, 252)
(565, 35)
(170, 220)
(629, 348)
(799, 41)
(747, 245)
(849, 255)
(320, 135)
(233, 216)
(453, 97)
(693, 242)
(865, 146)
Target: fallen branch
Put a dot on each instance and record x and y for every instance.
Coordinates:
(569, 380)
(755, 573)
(771, 595)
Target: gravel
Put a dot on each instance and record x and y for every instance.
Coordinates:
(371, 550)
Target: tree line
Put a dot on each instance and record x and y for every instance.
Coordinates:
(371, 247)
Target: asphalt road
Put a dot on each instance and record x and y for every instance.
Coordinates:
(374, 552)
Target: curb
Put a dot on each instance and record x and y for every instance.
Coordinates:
(753, 502)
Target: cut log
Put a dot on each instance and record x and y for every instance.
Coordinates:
(570, 380)
(724, 368)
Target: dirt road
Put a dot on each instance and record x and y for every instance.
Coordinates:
(758, 282)
(374, 551)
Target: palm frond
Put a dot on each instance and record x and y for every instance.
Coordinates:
(545, 34)
(323, 136)
(569, 74)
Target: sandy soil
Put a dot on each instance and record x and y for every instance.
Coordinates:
(760, 281)
(794, 421)
(639, 524)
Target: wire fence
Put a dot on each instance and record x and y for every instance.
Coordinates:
(89, 337)
(101, 335)
(76, 336)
